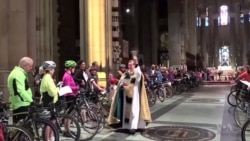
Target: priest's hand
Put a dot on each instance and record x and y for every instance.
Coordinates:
(135, 58)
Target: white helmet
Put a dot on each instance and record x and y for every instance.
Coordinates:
(47, 65)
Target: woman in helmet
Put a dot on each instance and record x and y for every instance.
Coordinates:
(48, 89)
(68, 80)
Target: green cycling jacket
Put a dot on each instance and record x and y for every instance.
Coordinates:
(19, 90)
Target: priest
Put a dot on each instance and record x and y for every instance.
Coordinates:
(129, 109)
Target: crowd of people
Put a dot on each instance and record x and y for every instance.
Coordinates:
(77, 76)
(129, 107)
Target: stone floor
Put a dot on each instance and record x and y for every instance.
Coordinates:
(199, 115)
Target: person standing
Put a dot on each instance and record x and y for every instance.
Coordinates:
(81, 75)
(130, 109)
(68, 80)
(19, 89)
(49, 91)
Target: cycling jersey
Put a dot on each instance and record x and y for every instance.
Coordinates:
(48, 90)
(244, 76)
(18, 86)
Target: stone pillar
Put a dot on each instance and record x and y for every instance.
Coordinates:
(232, 42)
(245, 39)
(18, 31)
(17, 36)
(21, 30)
(108, 30)
(4, 60)
(216, 43)
(44, 28)
(239, 39)
(3, 36)
(174, 32)
(95, 28)
(154, 33)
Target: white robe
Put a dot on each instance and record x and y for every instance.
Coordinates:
(135, 121)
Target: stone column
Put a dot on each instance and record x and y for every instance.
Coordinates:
(4, 36)
(232, 42)
(17, 36)
(108, 30)
(95, 28)
(237, 33)
(18, 31)
(245, 39)
(216, 44)
(44, 30)
(4, 60)
(154, 30)
(174, 32)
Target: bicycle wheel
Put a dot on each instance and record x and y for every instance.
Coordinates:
(231, 98)
(69, 126)
(151, 98)
(245, 131)
(100, 114)
(169, 92)
(240, 116)
(43, 129)
(16, 133)
(89, 122)
(160, 93)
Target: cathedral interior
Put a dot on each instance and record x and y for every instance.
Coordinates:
(195, 33)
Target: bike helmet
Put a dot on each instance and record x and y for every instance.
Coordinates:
(122, 66)
(70, 63)
(47, 65)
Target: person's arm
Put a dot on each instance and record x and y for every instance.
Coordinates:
(241, 76)
(22, 88)
(67, 82)
(138, 74)
(95, 84)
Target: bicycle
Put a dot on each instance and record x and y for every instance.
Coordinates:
(38, 123)
(65, 123)
(81, 110)
(11, 132)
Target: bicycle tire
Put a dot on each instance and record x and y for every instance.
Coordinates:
(151, 98)
(230, 97)
(160, 94)
(23, 136)
(75, 136)
(243, 130)
(100, 115)
(239, 117)
(84, 126)
(169, 92)
(50, 124)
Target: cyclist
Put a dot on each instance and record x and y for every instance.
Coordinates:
(48, 90)
(93, 84)
(81, 74)
(122, 70)
(68, 80)
(18, 86)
